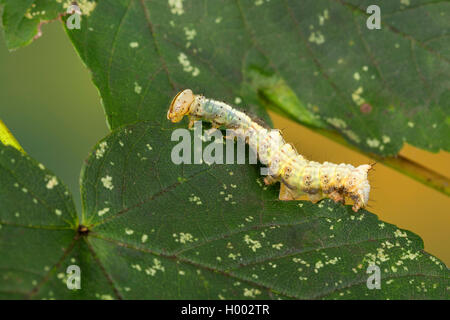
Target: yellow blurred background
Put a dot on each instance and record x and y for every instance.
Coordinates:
(48, 101)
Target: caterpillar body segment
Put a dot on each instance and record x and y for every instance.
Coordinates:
(297, 175)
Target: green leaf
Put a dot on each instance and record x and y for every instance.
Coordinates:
(22, 19)
(152, 229)
(7, 138)
(378, 88)
(37, 217)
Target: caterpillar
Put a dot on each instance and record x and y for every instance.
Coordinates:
(297, 175)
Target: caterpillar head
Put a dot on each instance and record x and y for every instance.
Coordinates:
(180, 105)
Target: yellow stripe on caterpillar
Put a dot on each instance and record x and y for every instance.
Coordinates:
(297, 175)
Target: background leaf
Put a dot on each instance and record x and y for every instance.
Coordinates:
(37, 216)
(157, 230)
(378, 88)
(22, 19)
(7, 138)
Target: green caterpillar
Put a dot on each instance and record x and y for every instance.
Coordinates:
(297, 175)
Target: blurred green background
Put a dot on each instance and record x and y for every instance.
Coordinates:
(48, 101)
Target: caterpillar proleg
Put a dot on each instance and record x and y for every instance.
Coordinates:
(297, 175)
